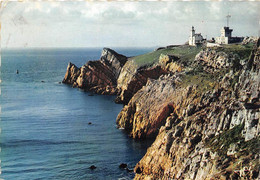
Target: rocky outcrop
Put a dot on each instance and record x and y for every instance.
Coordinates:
(248, 40)
(170, 64)
(148, 109)
(213, 131)
(97, 76)
(132, 78)
(114, 60)
(71, 75)
(212, 60)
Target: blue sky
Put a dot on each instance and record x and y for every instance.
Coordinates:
(121, 24)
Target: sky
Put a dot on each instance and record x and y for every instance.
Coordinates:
(121, 24)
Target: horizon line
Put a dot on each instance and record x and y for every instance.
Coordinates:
(94, 47)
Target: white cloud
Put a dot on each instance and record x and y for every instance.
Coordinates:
(120, 23)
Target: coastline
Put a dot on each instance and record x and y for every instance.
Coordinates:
(187, 99)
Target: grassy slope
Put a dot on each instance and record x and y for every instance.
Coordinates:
(187, 53)
(184, 52)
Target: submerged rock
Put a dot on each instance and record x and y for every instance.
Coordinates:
(92, 167)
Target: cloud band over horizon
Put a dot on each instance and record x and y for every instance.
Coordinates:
(121, 24)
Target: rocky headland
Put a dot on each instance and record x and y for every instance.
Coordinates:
(201, 105)
(98, 76)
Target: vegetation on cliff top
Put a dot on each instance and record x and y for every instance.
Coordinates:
(242, 50)
(185, 53)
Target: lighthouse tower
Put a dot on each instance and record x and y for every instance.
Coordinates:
(192, 32)
(195, 39)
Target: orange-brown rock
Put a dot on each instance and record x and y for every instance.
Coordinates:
(148, 109)
(98, 76)
(132, 79)
(169, 63)
(72, 74)
(213, 132)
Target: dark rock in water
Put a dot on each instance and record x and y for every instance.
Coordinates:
(92, 167)
(43, 81)
(17, 72)
(59, 82)
(123, 166)
(90, 123)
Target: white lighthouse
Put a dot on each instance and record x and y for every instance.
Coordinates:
(195, 39)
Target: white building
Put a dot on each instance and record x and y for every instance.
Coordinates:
(195, 39)
(225, 36)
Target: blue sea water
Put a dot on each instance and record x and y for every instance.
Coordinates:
(44, 124)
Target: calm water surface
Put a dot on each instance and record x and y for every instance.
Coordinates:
(44, 124)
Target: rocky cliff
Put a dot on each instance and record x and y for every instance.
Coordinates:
(201, 105)
(212, 130)
(132, 78)
(112, 74)
(97, 76)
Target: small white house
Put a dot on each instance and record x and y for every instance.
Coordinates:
(195, 39)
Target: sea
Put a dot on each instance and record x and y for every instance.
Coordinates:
(50, 130)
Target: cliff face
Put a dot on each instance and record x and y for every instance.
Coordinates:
(202, 108)
(131, 79)
(148, 109)
(213, 130)
(98, 76)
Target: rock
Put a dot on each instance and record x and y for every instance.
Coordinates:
(114, 60)
(132, 79)
(92, 167)
(169, 63)
(97, 76)
(123, 166)
(214, 60)
(232, 150)
(89, 123)
(71, 74)
(248, 40)
(178, 131)
(209, 132)
(204, 117)
(146, 113)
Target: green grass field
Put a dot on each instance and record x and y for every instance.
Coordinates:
(184, 52)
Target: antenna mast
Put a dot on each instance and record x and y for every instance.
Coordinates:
(228, 16)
